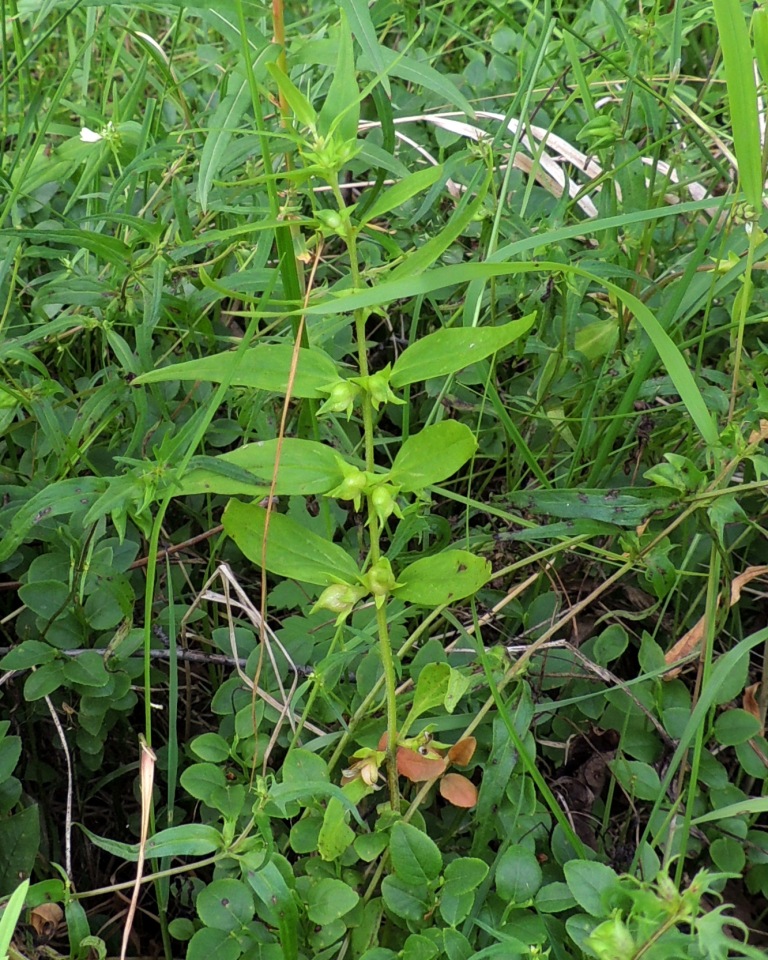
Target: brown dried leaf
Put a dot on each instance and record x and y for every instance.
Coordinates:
(459, 791)
(462, 752)
(757, 436)
(45, 918)
(750, 704)
(691, 640)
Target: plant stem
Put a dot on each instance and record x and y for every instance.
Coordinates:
(385, 643)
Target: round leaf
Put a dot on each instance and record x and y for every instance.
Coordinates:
(225, 904)
(459, 791)
(518, 874)
(330, 899)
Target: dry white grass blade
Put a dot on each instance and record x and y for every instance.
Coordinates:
(547, 156)
(147, 762)
(241, 601)
(70, 779)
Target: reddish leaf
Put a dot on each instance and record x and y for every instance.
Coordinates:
(458, 790)
(462, 752)
(416, 768)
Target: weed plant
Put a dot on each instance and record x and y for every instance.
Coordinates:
(383, 460)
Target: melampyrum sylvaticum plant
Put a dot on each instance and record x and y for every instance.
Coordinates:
(326, 141)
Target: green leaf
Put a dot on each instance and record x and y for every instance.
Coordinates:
(219, 136)
(402, 191)
(44, 680)
(593, 885)
(306, 467)
(301, 766)
(292, 550)
(420, 73)
(107, 247)
(432, 455)
(44, 597)
(335, 834)
(554, 898)
(301, 107)
(10, 916)
(330, 899)
(458, 684)
(278, 898)
(10, 751)
(210, 942)
(263, 367)
(735, 726)
(742, 96)
(201, 780)
(419, 947)
(454, 348)
(211, 747)
(431, 689)
(404, 899)
(518, 874)
(443, 277)
(445, 578)
(418, 260)
(464, 875)
(364, 32)
(30, 653)
(456, 907)
(191, 839)
(340, 112)
(225, 904)
(638, 779)
(19, 845)
(416, 858)
(626, 509)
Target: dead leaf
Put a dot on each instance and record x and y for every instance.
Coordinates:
(757, 436)
(462, 752)
(750, 704)
(45, 918)
(459, 791)
(690, 641)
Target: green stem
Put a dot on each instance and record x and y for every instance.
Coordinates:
(744, 300)
(385, 643)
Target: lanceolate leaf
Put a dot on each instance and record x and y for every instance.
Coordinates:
(444, 578)
(365, 33)
(626, 508)
(265, 367)
(451, 349)
(292, 550)
(442, 277)
(432, 455)
(223, 123)
(402, 191)
(306, 467)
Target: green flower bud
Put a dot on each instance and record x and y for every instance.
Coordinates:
(377, 387)
(353, 485)
(339, 598)
(380, 580)
(330, 219)
(341, 397)
(384, 503)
